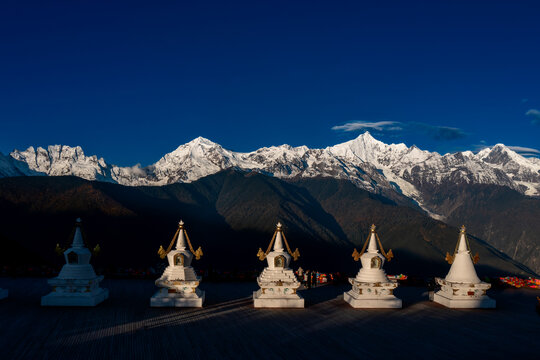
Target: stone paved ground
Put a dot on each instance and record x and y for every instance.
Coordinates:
(228, 327)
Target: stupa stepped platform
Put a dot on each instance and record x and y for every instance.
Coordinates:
(286, 276)
(77, 272)
(184, 273)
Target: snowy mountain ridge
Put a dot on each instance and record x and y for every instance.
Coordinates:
(368, 163)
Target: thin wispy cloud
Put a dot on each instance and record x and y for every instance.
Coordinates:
(435, 132)
(521, 150)
(525, 151)
(366, 125)
(535, 114)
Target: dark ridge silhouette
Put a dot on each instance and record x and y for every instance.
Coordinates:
(230, 214)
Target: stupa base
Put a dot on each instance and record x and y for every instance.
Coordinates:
(372, 295)
(463, 295)
(261, 300)
(163, 299)
(483, 302)
(372, 302)
(3, 294)
(75, 299)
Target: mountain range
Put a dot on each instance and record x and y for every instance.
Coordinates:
(494, 191)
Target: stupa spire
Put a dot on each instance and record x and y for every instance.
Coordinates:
(77, 238)
(372, 246)
(462, 242)
(278, 244)
(181, 241)
(462, 269)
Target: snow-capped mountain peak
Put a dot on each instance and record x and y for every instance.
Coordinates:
(58, 160)
(365, 161)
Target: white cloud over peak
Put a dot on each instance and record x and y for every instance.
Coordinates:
(433, 131)
(366, 125)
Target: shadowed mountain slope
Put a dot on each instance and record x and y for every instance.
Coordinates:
(230, 214)
(503, 217)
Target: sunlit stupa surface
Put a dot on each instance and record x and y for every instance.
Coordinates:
(179, 283)
(462, 288)
(371, 288)
(278, 283)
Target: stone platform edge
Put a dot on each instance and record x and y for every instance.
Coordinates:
(92, 299)
(485, 302)
(278, 302)
(373, 303)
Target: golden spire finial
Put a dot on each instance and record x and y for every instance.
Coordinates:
(181, 224)
(373, 227)
(463, 229)
(278, 226)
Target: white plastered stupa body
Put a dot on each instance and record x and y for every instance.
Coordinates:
(179, 282)
(278, 283)
(77, 284)
(371, 288)
(462, 288)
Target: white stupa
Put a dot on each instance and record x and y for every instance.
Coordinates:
(77, 284)
(462, 288)
(179, 282)
(277, 281)
(371, 288)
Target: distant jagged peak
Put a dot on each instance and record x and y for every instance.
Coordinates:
(202, 141)
(198, 144)
(54, 149)
(363, 139)
(502, 154)
(495, 148)
(56, 152)
(281, 149)
(368, 149)
(364, 160)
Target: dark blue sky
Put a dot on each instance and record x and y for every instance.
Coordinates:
(132, 80)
